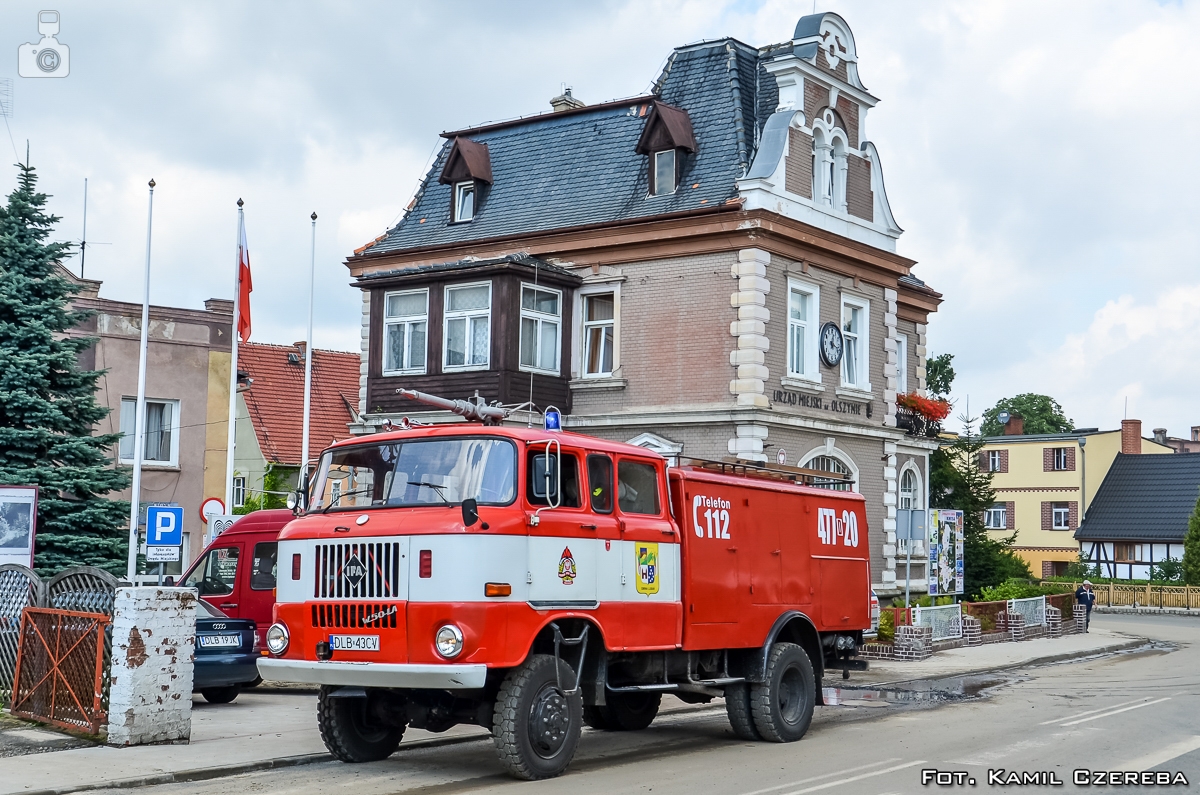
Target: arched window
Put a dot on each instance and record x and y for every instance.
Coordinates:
(829, 160)
(910, 493)
(827, 463)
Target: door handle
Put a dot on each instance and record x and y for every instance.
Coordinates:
(776, 552)
(229, 604)
(731, 549)
(588, 526)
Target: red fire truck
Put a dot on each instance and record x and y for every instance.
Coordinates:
(530, 582)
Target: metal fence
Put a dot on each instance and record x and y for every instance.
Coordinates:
(83, 589)
(946, 620)
(60, 668)
(1034, 610)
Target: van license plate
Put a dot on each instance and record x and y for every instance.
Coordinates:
(220, 641)
(354, 642)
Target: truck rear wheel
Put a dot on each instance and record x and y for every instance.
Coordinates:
(782, 704)
(737, 706)
(624, 712)
(348, 731)
(536, 726)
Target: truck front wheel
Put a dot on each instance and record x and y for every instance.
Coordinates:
(782, 704)
(349, 732)
(536, 725)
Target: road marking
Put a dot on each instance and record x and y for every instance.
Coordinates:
(1159, 757)
(859, 777)
(1091, 711)
(823, 775)
(1115, 711)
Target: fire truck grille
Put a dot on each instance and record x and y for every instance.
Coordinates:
(355, 615)
(367, 570)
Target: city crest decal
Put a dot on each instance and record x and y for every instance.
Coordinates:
(647, 568)
(566, 567)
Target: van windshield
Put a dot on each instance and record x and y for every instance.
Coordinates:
(423, 472)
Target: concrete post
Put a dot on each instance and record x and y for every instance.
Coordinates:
(153, 646)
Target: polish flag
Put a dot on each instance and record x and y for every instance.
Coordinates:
(245, 286)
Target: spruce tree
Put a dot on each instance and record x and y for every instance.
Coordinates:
(1191, 548)
(48, 406)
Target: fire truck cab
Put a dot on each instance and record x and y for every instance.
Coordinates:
(531, 582)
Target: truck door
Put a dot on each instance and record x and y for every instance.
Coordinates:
(649, 556)
(763, 543)
(258, 597)
(216, 578)
(562, 546)
(797, 528)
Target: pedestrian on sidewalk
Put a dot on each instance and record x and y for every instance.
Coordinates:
(1085, 596)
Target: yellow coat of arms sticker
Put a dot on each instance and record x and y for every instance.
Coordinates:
(647, 565)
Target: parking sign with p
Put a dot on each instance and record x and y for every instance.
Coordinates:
(164, 526)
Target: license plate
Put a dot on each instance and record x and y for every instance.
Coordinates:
(354, 642)
(220, 641)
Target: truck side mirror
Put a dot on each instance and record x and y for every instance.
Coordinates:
(470, 512)
(169, 581)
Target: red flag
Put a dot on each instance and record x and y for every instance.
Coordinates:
(244, 287)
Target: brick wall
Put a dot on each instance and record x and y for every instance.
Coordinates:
(860, 201)
(849, 113)
(1010, 519)
(798, 166)
(816, 96)
(1073, 515)
(1047, 515)
(153, 643)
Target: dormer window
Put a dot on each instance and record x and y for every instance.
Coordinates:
(464, 201)
(664, 173)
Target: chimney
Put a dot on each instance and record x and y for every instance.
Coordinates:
(1131, 437)
(222, 305)
(565, 101)
(1015, 425)
(296, 358)
(1160, 435)
(1196, 433)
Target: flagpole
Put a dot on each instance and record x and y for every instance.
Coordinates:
(139, 415)
(237, 299)
(308, 352)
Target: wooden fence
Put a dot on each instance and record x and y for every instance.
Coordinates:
(1149, 595)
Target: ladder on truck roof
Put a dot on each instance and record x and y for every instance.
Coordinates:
(782, 472)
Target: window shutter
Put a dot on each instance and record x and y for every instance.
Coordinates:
(1070, 459)
(1047, 515)
(1047, 459)
(1010, 522)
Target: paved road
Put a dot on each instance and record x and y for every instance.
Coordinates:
(1131, 711)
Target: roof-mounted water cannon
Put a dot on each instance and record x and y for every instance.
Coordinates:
(472, 410)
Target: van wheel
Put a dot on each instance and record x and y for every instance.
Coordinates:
(783, 704)
(349, 733)
(737, 706)
(536, 726)
(624, 712)
(220, 695)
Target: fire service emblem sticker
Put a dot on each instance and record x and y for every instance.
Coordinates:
(647, 567)
(566, 567)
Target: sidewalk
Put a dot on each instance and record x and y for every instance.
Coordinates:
(993, 657)
(262, 730)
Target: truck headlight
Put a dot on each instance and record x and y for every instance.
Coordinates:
(449, 641)
(277, 639)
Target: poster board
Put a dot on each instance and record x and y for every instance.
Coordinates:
(945, 552)
(18, 524)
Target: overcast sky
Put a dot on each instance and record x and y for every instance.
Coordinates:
(1041, 156)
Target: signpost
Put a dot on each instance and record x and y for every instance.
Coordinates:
(218, 525)
(213, 506)
(164, 535)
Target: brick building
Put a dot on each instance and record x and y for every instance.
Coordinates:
(709, 270)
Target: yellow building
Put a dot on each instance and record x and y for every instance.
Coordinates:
(1044, 483)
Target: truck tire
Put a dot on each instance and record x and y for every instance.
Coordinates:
(783, 704)
(737, 706)
(535, 726)
(347, 733)
(624, 712)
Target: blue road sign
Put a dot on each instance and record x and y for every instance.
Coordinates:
(164, 526)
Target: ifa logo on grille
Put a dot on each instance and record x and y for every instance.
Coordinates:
(354, 572)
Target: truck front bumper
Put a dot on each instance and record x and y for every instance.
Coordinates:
(365, 674)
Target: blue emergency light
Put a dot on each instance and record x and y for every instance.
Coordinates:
(552, 420)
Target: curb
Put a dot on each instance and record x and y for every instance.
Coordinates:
(1145, 610)
(205, 773)
(1043, 660)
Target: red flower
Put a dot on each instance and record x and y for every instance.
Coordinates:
(934, 410)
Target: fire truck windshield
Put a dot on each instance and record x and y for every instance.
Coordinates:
(442, 471)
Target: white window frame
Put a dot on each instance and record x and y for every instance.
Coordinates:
(995, 460)
(239, 491)
(1064, 512)
(812, 330)
(654, 187)
(1059, 455)
(173, 462)
(997, 511)
(863, 384)
(586, 325)
(406, 321)
(467, 314)
(459, 188)
(901, 363)
(542, 319)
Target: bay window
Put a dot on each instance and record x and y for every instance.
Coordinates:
(468, 320)
(405, 318)
(541, 321)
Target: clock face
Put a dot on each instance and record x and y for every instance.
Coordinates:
(831, 344)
